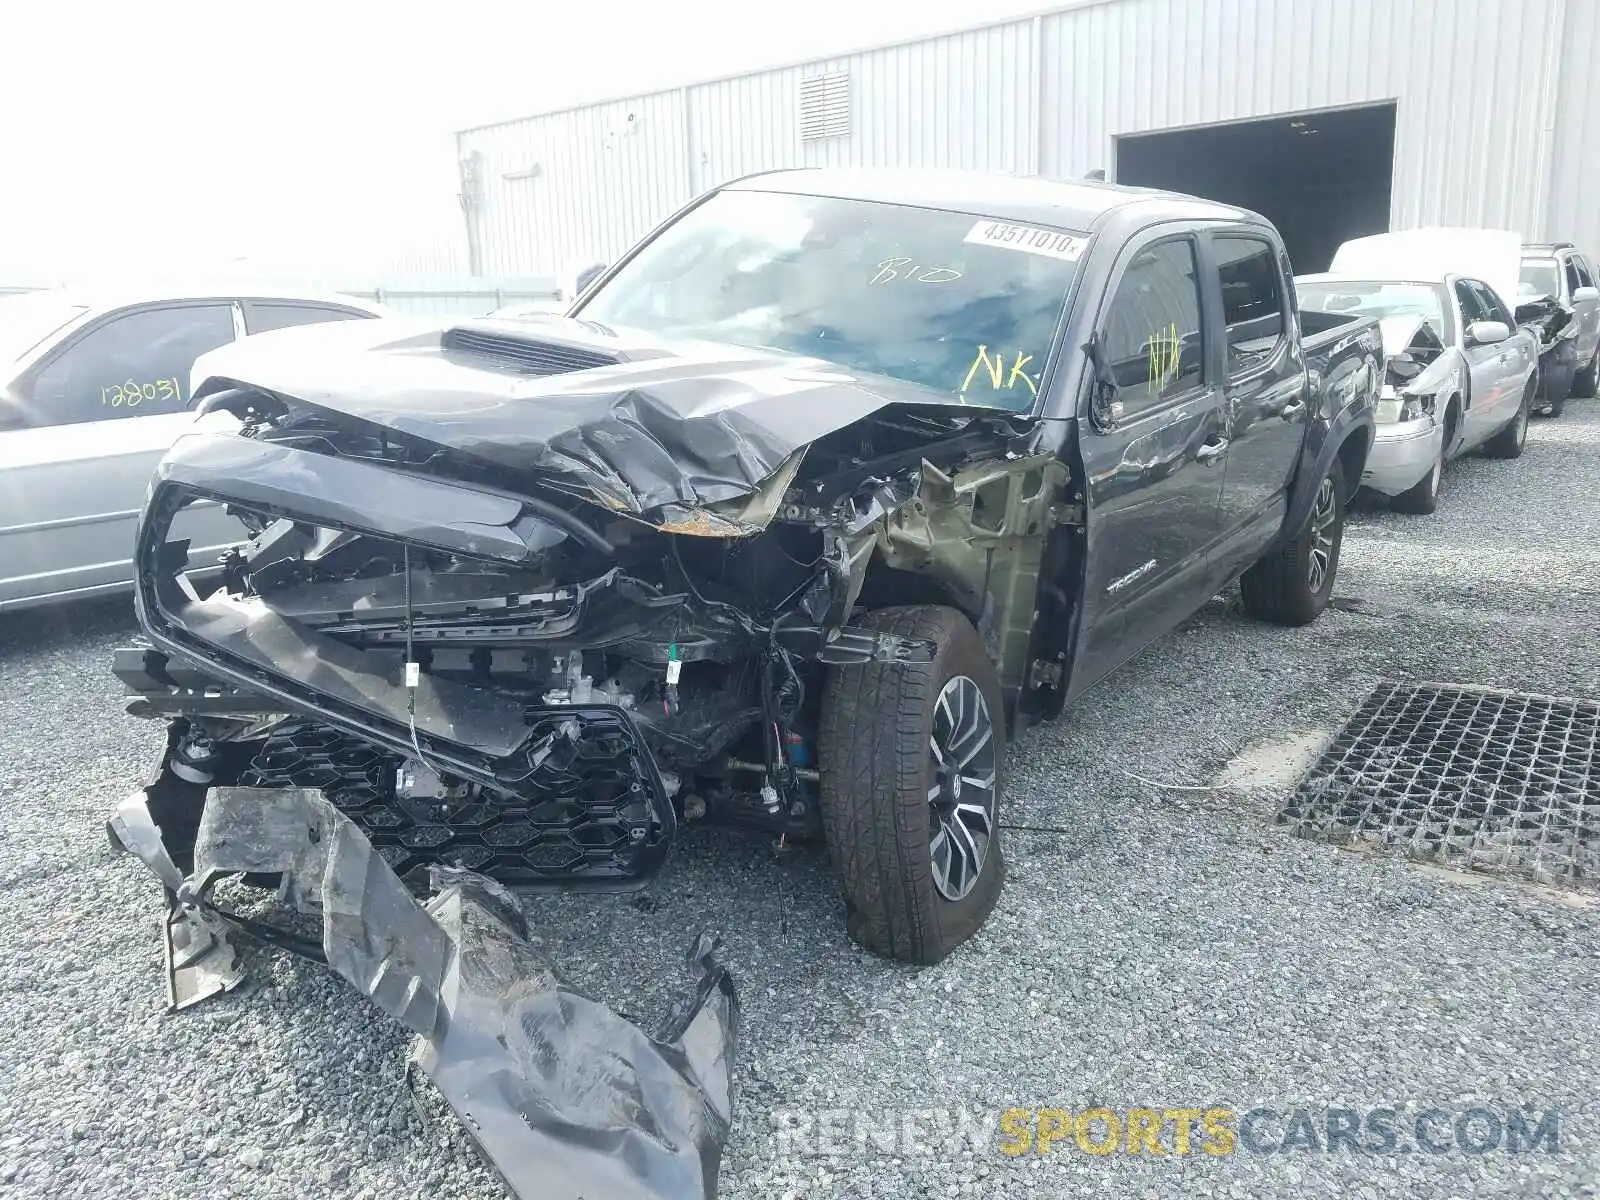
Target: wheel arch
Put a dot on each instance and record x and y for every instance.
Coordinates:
(1352, 458)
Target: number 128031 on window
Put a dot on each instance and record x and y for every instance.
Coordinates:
(131, 394)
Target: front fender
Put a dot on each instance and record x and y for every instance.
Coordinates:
(1344, 435)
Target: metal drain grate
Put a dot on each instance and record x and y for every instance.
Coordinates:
(1471, 777)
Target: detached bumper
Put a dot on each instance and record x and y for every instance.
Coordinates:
(565, 1098)
(1402, 454)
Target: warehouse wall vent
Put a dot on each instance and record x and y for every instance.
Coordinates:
(825, 106)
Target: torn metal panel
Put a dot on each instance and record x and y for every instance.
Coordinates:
(564, 1098)
(199, 959)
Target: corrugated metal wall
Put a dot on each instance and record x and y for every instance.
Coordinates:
(1465, 73)
(1575, 139)
(1493, 119)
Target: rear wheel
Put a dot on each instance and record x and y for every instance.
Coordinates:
(1292, 586)
(1508, 443)
(910, 757)
(1585, 382)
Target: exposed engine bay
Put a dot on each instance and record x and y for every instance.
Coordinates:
(519, 676)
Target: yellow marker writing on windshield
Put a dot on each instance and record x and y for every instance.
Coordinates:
(1018, 373)
(999, 378)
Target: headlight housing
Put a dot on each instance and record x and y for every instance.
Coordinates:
(1395, 407)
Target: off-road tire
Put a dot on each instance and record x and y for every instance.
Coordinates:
(1277, 587)
(1508, 443)
(877, 769)
(1587, 381)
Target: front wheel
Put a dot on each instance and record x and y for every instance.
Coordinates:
(1508, 443)
(1422, 498)
(1292, 586)
(910, 757)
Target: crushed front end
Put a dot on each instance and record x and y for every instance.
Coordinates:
(531, 657)
(509, 630)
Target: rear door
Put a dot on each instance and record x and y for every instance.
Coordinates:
(1155, 475)
(101, 409)
(1580, 276)
(1264, 393)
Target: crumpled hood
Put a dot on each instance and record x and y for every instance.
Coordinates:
(636, 422)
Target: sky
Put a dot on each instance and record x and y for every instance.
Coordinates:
(315, 139)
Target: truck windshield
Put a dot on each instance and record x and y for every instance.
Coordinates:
(1381, 299)
(959, 303)
(1538, 278)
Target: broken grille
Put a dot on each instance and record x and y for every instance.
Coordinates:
(591, 824)
(1470, 777)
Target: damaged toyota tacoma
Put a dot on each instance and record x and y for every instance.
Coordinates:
(814, 498)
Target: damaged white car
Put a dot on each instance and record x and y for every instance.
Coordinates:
(1460, 375)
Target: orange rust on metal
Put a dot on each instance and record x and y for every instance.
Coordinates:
(697, 522)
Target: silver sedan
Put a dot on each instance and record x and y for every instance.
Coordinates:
(93, 390)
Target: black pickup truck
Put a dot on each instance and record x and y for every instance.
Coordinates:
(830, 485)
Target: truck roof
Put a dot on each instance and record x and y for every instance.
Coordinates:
(1080, 204)
(1540, 249)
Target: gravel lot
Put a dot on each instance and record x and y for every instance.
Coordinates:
(1155, 947)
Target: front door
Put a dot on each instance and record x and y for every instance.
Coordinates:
(1488, 370)
(1154, 476)
(99, 414)
(1265, 394)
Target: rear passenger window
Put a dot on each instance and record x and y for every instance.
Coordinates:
(1252, 299)
(259, 318)
(1152, 335)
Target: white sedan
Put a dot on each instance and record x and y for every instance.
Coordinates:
(93, 391)
(1461, 374)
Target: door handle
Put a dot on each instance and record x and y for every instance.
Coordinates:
(1211, 451)
(1292, 410)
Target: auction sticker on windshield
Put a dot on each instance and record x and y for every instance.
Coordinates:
(1051, 243)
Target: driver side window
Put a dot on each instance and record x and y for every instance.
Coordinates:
(1152, 337)
(1471, 307)
(1491, 303)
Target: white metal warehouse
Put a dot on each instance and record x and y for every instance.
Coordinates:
(1333, 117)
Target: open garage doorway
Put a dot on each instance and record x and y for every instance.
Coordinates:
(1320, 177)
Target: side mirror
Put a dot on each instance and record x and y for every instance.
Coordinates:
(1105, 398)
(1586, 293)
(587, 276)
(1487, 333)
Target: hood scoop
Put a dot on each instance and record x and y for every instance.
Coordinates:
(522, 355)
